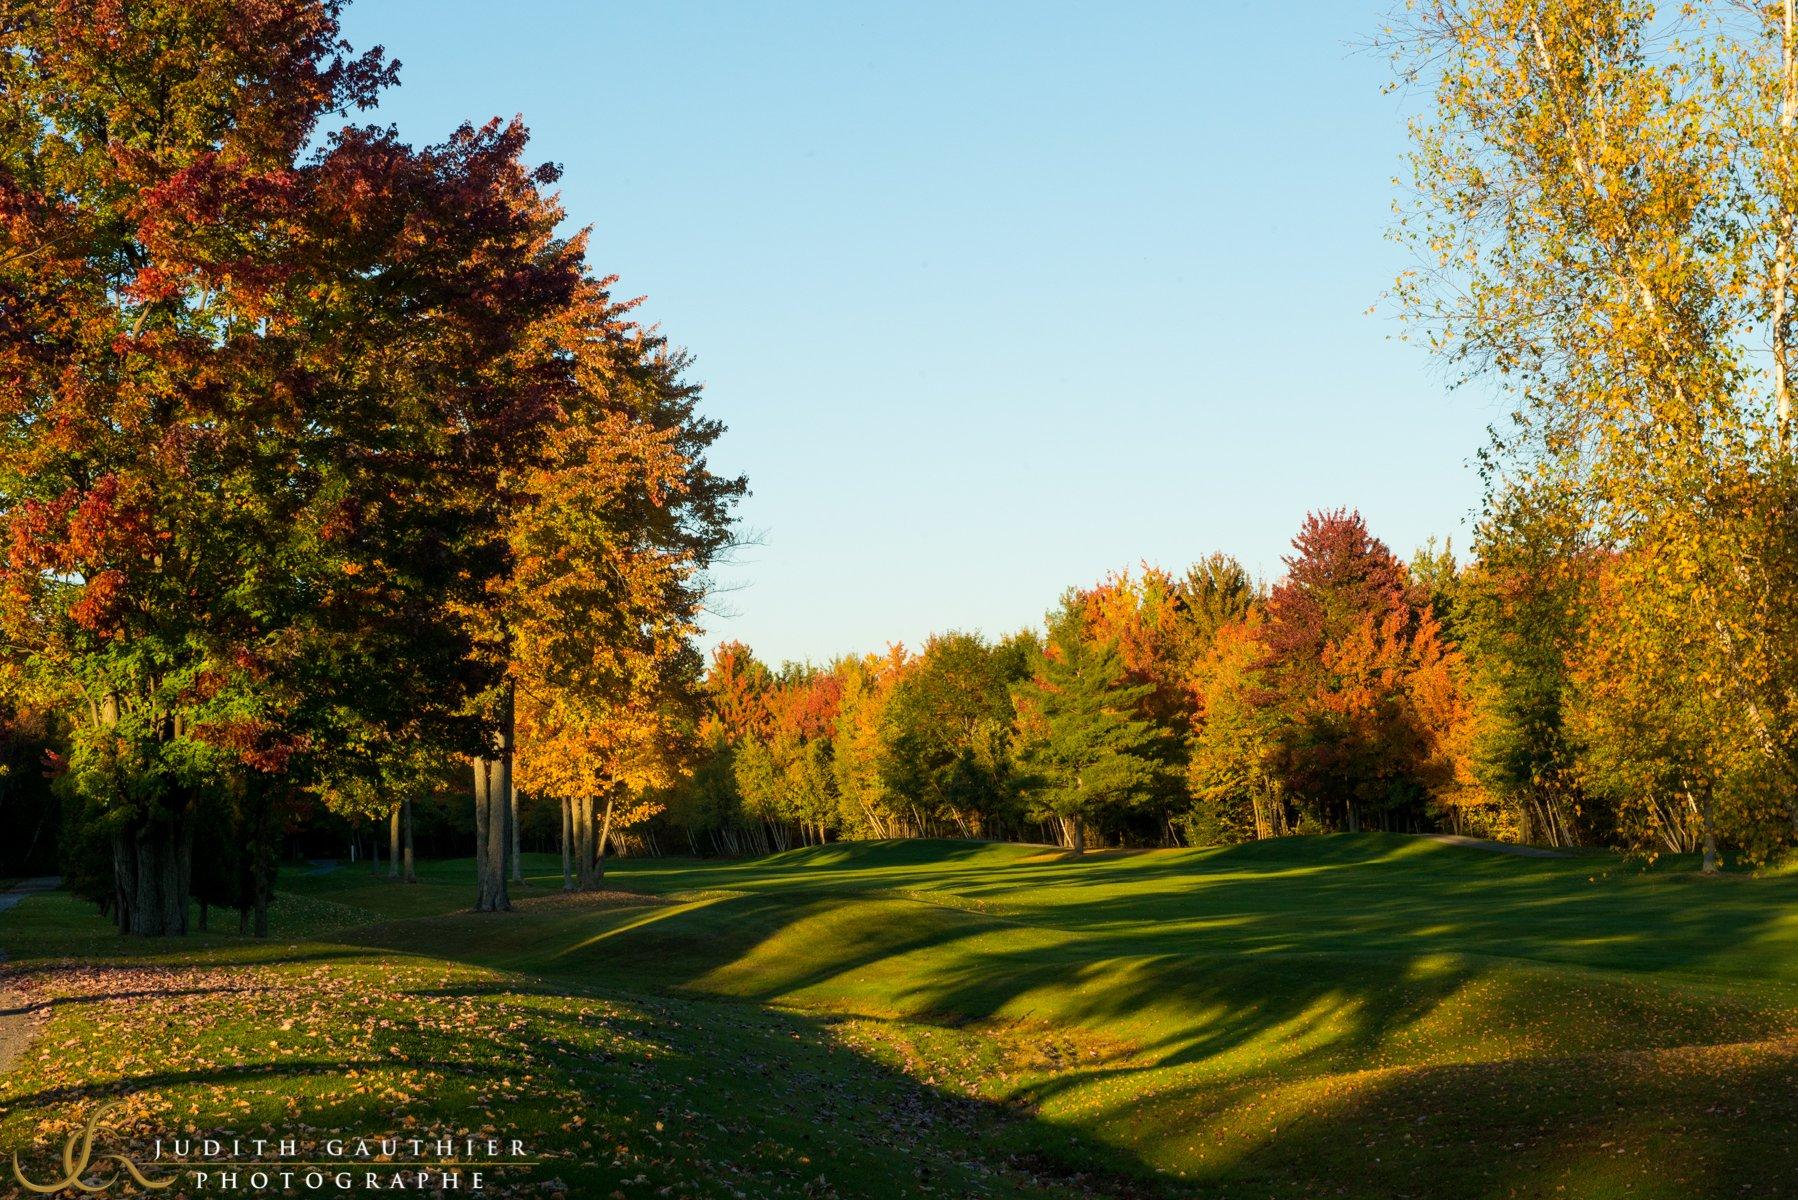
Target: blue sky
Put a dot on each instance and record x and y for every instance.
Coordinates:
(994, 298)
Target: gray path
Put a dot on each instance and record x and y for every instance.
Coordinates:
(28, 887)
(16, 1027)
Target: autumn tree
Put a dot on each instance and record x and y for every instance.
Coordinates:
(1436, 578)
(1215, 591)
(781, 757)
(1345, 647)
(737, 687)
(255, 378)
(1233, 769)
(706, 801)
(1521, 613)
(603, 767)
(1603, 221)
(738, 698)
(1143, 618)
(807, 704)
(859, 744)
(619, 517)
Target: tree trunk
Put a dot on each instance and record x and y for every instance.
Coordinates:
(512, 826)
(497, 900)
(152, 868)
(502, 796)
(1079, 835)
(583, 843)
(393, 843)
(499, 791)
(605, 831)
(261, 865)
(1707, 832)
(411, 875)
(567, 845)
(483, 889)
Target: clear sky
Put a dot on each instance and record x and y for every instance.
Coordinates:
(994, 297)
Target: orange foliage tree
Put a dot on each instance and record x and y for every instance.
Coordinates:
(1359, 679)
(624, 516)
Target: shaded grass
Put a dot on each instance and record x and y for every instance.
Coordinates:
(612, 1093)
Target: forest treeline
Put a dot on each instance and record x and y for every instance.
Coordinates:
(1155, 708)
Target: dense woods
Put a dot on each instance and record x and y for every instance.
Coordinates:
(337, 487)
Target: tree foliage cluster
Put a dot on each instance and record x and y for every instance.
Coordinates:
(324, 458)
(1603, 222)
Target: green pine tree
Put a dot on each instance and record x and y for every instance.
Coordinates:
(1084, 751)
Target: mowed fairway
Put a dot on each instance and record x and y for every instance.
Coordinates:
(1356, 1015)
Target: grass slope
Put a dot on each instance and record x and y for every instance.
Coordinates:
(1360, 1015)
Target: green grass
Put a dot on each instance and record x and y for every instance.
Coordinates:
(1360, 1015)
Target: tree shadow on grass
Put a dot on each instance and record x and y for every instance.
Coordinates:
(37, 1006)
(1675, 1123)
(1405, 990)
(1388, 892)
(662, 1092)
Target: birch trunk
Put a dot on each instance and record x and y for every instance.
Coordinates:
(1707, 833)
(605, 832)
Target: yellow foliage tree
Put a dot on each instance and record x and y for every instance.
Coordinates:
(1602, 222)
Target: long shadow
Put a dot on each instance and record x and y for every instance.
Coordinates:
(128, 957)
(1281, 928)
(1484, 912)
(1411, 896)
